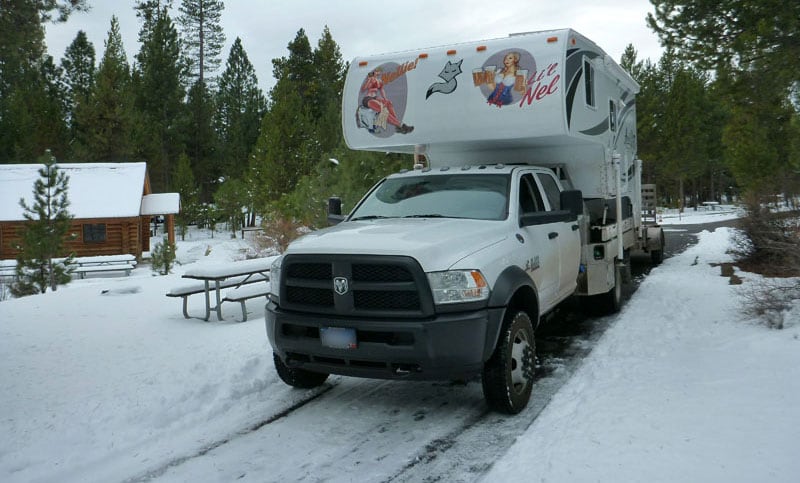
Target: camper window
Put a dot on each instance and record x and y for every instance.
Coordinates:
(588, 82)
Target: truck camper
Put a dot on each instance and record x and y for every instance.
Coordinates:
(526, 190)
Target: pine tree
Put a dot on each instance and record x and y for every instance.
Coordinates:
(184, 183)
(48, 222)
(202, 36)
(285, 150)
(298, 68)
(158, 92)
(104, 124)
(757, 137)
(79, 76)
(240, 108)
(230, 199)
(22, 59)
(163, 257)
(302, 126)
(326, 103)
(200, 136)
(732, 34)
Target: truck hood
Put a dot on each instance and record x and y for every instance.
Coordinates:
(436, 243)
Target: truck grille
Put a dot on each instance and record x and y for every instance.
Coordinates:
(389, 286)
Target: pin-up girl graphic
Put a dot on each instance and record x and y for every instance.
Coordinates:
(504, 81)
(381, 108)
(503, 77)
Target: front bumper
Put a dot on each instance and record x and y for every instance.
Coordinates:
(444, 347)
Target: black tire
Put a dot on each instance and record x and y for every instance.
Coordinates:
(611, 301)
(298, 377)
(508, 374)
(657, 256)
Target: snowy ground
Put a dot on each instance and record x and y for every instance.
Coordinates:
(104, 380)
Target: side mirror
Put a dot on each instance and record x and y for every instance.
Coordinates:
(335, 210)
(572, 201)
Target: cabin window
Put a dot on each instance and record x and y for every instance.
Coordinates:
(612, 115)
(550, 190)
(94, 233)
(588, 82)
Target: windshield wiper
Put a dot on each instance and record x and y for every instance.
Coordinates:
(434, 215)
(370, 217)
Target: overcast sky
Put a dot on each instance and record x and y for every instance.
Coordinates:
(374, 27)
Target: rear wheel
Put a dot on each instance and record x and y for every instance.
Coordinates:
(611, 301)
(298, 377)
(508, 374)
(657, 256)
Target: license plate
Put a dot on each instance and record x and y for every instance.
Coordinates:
(338, 337)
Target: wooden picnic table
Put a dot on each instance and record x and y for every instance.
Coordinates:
(239, 273)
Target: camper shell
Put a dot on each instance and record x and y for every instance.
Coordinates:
(570, 106)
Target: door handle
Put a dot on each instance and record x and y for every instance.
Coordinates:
(575, 227)
(552, 235)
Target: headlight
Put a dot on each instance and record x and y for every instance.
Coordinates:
(275, 277)
(458, 286)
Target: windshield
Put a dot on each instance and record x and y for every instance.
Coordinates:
(482, 197)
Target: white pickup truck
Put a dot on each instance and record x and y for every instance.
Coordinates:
(526, 191)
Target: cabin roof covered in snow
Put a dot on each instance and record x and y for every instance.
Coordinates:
(95, 190)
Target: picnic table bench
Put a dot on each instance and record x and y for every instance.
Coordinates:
(246, 292)
(83, 265)
(103, 263)
(8, 268)
(236, 275)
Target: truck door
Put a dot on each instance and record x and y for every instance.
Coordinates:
(568, 237)
(539, 257)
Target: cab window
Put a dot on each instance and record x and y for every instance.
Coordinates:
(530, 200)
(551, 190)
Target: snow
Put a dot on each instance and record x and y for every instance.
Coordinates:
(229, 269)
(161, 204)
(679, 389)
(95, 190)
(104, 380)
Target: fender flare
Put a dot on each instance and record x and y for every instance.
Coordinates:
(508, 284)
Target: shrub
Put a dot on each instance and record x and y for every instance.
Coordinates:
(280, 231)
(163, 257)
(769, 244)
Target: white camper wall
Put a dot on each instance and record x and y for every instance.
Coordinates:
(459, 105)
(449, 95)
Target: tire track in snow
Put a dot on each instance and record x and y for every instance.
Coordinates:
(161, 470)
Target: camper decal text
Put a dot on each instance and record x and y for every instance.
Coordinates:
(541, 84)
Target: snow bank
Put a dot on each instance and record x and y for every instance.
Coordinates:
(679, 389)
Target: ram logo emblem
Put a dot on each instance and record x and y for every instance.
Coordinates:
(340, 285)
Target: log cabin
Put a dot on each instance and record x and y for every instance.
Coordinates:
(111, 205)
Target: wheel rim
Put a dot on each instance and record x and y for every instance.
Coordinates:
(520, 362)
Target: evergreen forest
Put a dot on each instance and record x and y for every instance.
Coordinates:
(718, 113)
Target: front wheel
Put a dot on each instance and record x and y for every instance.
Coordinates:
(508, 374)
(298, 377)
